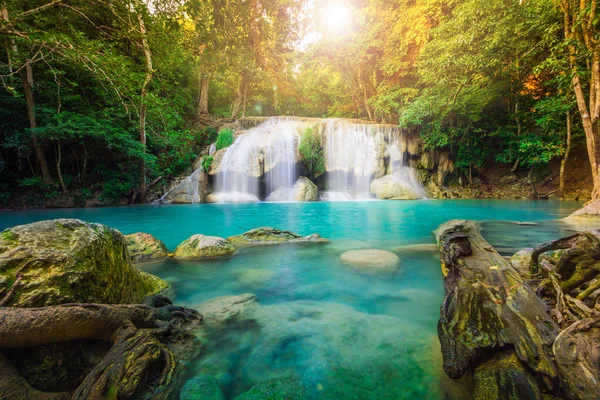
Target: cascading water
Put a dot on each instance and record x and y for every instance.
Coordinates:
(269, 150)
(399, 171)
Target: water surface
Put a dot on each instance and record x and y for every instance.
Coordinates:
(323, 330)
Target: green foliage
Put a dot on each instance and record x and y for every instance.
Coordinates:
(207, 163)
(225, 139)
(311, 152)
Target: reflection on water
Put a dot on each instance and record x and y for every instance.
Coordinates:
(317, 328)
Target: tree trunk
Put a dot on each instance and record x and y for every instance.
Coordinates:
(203, 84)
(579, 21)
(37, 148)
(488, 308)
(144, 94)
(239, 98)
(563, 163)
(58, 171)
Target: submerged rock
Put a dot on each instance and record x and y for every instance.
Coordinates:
(372, 260)
(145, 247)
(221, 311)
(308, 350)
(267, 235)
(201, 387)
(201, 246)
(70, 261)
(425, 247)
(391, 187)
(254, 276)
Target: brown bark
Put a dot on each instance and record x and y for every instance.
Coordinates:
(578, 20)
(239, 97)
(37, 148)
(144, 94)
(203, 83)
(488, 307)
(563, 162)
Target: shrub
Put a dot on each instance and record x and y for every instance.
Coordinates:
(225, 139)
(207, 163)
(311, 152)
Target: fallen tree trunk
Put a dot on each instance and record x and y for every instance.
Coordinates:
(489, 309)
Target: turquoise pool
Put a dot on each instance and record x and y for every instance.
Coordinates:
(321, 329)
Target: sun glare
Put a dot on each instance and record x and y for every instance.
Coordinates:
(335, 16)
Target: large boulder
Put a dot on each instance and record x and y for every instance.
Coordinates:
(221, 311)
(390, 187)
(69, 261)
(188, 190)
(586, 217)
(303, 190)
(145, 247)
(371, 260)
(268, 235)
(201, 246)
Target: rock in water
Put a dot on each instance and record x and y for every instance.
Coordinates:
(578, 358)
(201, 246)
(378, 261)
(267, 235)
(305, 190)
(521, 260)
(391, 188)
(69, 261)
(202, 387)
(223, 310)
(288, 388)
(145, 247)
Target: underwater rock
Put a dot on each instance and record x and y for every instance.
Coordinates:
(488, 306)
(288, 388)
(145, 247)
(425, 247)
(201, 387)
(224, 310)
(268, 235)
(503, 377)
(391, 188)
(371, 260)
(69, 261)
(254, 276)
(317, 342)
(201, 246)
(578, 358)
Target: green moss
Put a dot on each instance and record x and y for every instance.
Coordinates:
(9, 236)
(311, 152)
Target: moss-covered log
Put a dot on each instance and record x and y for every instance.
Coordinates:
(488, 308)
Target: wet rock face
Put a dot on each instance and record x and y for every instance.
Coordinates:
(145, 247)
(303, 190)
(268, 235)
(69, 261)
(391, 188)
(201, 246)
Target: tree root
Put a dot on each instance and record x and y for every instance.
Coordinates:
(138, 362)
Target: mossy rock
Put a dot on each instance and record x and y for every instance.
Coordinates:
(504, 377)
(144, 247)
(201, 246)
(70, 261)
(268, 235)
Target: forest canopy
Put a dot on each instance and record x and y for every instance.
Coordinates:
(115, 96)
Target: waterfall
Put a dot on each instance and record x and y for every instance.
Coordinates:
(187, 191)
(406, 175)
(351, 159)
(270, 150)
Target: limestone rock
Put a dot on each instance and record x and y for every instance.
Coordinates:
(521, 260)
(372, 260)
(145, 247)
(201, 246)
(188, 190)
(268, 235)
(590, 211)
(391, 188)
(70, 261)
(305, 190)
(504, 377)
